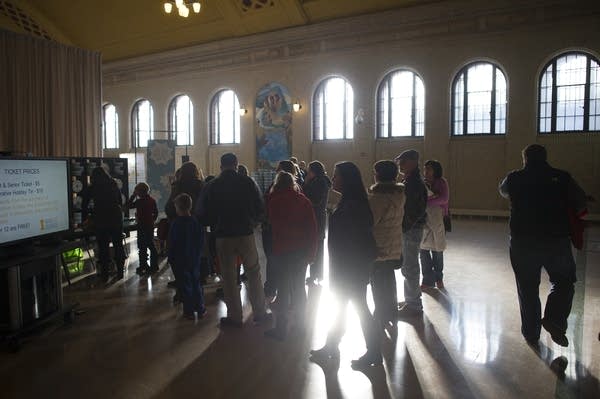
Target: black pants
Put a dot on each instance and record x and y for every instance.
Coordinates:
(528, 256)
(353, 290)
(145, 242)
(432, 266)
(104, 236)
(316, 268)
(291, 295)
(383, 286)
(270, 284)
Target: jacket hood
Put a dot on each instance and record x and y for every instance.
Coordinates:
(386, 188)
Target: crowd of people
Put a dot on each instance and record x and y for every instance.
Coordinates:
(399, 222)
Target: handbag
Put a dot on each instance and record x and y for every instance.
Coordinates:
(448, 222)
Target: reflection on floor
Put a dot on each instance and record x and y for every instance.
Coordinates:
(132, 343)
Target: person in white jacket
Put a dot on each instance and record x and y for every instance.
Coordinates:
(386, 198)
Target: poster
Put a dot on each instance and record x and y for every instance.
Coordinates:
(160, 170)
(274, 118)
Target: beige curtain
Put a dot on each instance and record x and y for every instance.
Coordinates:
(50, 97)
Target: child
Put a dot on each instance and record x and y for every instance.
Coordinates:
(146, 213)
(186, 238)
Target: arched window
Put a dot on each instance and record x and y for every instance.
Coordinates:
(479, 100)
(110, 127)
(225, 118)
(569, 97)
(181, 120)
(333, 107)
(400, 105)
(142, 123)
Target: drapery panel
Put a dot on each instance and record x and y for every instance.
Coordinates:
(50, 97)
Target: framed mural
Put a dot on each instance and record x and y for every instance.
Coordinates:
(274, 118)
(160, 170)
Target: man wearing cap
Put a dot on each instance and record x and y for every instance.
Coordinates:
(233, 206)
(412, 231)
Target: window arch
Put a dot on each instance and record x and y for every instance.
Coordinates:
(225, 118)
(142, 123)
(110, 127)
(479, 100)
(569, 94)
(181, 120)
(333, 107)
(400, 105)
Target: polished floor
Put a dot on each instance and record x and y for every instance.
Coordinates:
(130, 342)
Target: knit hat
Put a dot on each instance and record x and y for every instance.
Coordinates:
(408, 155)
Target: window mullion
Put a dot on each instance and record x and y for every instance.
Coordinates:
(554, 99)
(345, 114)
(390, 109)
(465, 102)
(586, 100)
(493, 103)
(413, 126)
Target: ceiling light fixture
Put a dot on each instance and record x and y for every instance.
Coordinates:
(183, 7)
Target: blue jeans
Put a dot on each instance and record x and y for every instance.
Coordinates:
(190, 288)
(411, 241)
(432, 266)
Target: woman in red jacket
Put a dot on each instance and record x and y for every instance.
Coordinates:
(294, 230)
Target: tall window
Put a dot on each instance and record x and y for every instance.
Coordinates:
(181, 120)
(110, 127)
(569, 98)
(479, 100)
(225, 118)
(333, 107)
(142, 123)
(400, 105)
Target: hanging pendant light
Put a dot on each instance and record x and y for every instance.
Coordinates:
(183, 7)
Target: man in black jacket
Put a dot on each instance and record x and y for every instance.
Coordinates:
(541, 199)
(412, 231)
(233, 206)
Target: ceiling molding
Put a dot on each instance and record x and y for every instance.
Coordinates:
(434, 21)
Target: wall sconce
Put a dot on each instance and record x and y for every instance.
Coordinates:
(243, 111)
(296, 106)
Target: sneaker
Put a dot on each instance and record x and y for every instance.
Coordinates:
(408, 311)
(325, 353)
(202, 313)
(189, 316)
(555, 333)
(439, 284)
(367, 360)
(227, 322)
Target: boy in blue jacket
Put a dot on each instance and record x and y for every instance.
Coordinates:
(186, 238)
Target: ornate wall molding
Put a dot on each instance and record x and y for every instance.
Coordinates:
(443, 20)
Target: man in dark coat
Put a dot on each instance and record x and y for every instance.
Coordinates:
(541, 198)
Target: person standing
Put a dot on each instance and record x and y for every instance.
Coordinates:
(186, 239)
(107, 219)
(294, 244)
(233, 206)
(434, 232)
(387, 199)
(146, 213)
(352, 250)
(412, 231)
(541, 199)
(316, 188)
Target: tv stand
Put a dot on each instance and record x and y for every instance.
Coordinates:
(31, 293)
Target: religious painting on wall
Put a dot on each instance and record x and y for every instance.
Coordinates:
(274, 118)
(160, 170)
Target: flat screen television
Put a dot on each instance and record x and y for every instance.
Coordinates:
(34, 199)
